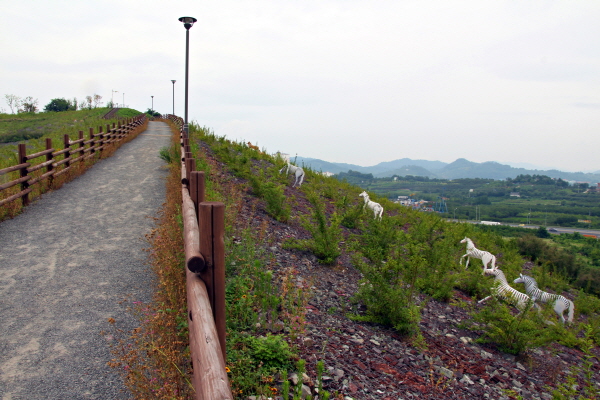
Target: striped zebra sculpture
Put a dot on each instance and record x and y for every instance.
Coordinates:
(485, 256)
(561, 303)
(503, 290)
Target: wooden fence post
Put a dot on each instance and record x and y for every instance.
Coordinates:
(49, 157)
(92, 142)
(82, 146)
(197, 187)
(66, 141)
(188, 165)
(211, 217)
(23, 172)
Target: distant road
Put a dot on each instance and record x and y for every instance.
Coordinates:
(71, 261)
(558, 229)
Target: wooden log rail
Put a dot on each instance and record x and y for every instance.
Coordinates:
(59, 162)
(204, 232)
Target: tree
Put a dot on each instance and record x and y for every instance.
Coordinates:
(542, 233)
(152, 112)
(13, 101)
(29, 105)
(58, 105)
(97, 100)
(87, 103)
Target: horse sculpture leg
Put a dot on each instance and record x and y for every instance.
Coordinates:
(299, 175)
(468, 259)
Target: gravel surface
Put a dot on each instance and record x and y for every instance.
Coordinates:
(71, 261)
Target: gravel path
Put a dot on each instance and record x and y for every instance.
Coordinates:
(71, 261)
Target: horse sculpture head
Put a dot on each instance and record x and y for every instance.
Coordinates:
(520, 279)
(465, 240)
(363, 194)
(496, 273)
(527, 280)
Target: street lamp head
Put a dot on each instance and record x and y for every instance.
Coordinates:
(187, 22)
(173, 80)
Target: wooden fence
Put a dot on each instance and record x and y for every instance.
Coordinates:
(59, 162)
(204, 232)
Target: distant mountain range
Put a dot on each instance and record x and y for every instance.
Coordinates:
(458, 169)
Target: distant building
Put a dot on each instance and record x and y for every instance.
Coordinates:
(515, 194)
(594, 188)
(285, 156)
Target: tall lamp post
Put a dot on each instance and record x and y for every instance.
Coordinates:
(123, 105)
(173, 80)
(187, 24)
(152, 103)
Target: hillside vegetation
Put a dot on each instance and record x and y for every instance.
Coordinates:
(375, 309)
(33, 129)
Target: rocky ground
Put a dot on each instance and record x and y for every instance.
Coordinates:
(367, 361)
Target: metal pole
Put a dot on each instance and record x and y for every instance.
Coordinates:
(187, 64)
(173, 80)
(187, 24)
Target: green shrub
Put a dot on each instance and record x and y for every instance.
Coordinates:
(570, 389)
(388, 290)
(438, 278)
(378, 239)
(350, 213)
(170, 154)
(326, 235)
(587, 304)
(513, 334)
(274, 195)
(271, 350)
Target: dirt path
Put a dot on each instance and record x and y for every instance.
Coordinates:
(71, 261)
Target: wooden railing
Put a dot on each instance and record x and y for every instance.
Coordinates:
(59, 162)
(204, 232)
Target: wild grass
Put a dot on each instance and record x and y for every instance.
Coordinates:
(8, 157)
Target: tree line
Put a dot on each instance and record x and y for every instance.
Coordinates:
(28, 104)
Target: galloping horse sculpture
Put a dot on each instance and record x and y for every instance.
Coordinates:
(485, 256)
(297, 171)
(375, 207)
(506, 292)
(561, 303)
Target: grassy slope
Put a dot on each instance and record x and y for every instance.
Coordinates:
(50, 125)
(427, 239)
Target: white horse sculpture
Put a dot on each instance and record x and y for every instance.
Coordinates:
(561, 303)
(297, 171)
(506, 292)
(375, 207)
(485, 256)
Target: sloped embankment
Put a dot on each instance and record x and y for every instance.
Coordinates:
(365, 360)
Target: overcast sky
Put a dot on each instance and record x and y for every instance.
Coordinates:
(341, 80)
